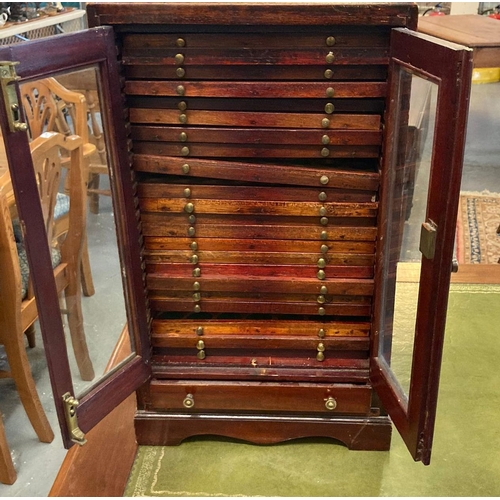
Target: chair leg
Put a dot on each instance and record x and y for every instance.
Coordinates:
(75, 322)
(30, 333)
(86, 272)
(21, 373)
(7, 472)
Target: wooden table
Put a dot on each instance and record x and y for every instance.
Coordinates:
(480, 33)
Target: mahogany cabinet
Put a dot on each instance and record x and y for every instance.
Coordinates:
(264, 163)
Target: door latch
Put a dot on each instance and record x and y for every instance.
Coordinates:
(70, 404)
(7, 77)
(428, 239)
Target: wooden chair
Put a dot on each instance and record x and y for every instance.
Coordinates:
(7, 472)
(85, 82)
(45, 103)
(17, 304)
(12, 325)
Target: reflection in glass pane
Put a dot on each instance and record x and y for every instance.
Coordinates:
(410, 186)
(67, 108)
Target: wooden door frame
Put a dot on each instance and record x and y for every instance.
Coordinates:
(36, 60)
(450, 66)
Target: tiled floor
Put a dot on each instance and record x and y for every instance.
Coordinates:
(37, 463)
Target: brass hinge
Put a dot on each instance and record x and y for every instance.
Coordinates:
(7, 77)
(70, 404)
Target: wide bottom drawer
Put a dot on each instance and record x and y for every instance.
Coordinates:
(198, 396)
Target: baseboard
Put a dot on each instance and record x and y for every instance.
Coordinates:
(357, 433)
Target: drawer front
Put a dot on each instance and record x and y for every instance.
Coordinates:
(194, 396)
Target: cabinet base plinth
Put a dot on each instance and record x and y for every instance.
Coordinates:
(168, 429)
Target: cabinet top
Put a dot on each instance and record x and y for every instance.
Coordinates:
(235, 13)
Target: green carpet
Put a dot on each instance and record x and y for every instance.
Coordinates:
(466, 451)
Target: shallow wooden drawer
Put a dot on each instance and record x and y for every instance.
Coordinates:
(192, 37)
(254, 396)
(139, 70)
(256, 90)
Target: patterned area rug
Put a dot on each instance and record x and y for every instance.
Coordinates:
(478, 227)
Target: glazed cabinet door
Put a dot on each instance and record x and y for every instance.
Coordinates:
(64, 130)
(429, 84)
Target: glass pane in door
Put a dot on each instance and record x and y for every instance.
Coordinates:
(68, 141)
(409, 189)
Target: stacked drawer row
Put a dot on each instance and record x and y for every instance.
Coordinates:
(258, 155)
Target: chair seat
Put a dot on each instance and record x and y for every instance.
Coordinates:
(23, 257)
(62, 205)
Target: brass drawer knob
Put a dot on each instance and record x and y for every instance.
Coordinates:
(194, 259)
(185, 151)
(321, 263)
(325, 122)
(324, 221)
(196, 286)
(322, 196)
(325, 140)
(321, 299)
(325, 152)
(322, 211)
(183, 137)
(321, 333)
(323, 290)
(330, 403)
(321, 349)
(328, 74)
(180, 90)
(189, 208)
(187, 193)
(181, 42)
(200, 345)
(191, 219)
(188, 401)
(183, 118)
(330, 92)
(193, 246)
(330, 58)
(324, 179)
(179, 59)
(324, 248)
(180, 72)
(197, 308)
(185, 168)
(330, 41)
(196, 297)
(323, 235)
(196, 272)
(182, 106)
(199, 330)
(329, 108)
(321, 275)
(321, 311)
(191, 231)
